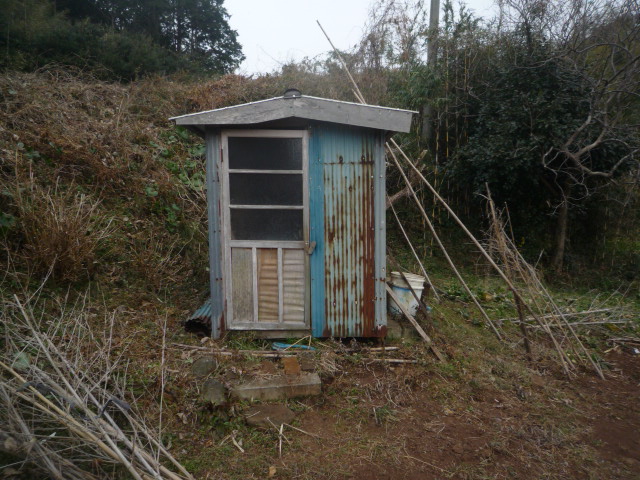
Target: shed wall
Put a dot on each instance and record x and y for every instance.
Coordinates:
(212, 139)
(346, 187)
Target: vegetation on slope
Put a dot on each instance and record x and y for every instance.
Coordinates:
(102, 201)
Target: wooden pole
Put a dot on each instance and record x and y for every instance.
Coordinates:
(356, 90)
(444, 250)
(413, 250)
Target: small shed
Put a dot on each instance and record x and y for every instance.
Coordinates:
(296, 201)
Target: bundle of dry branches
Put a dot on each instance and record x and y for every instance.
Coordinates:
(63, 406)
(542, 310)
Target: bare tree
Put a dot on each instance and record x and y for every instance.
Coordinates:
(599, 41)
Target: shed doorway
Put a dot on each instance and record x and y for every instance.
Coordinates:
(265, 221)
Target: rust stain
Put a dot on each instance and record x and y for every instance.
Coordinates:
(350, 245)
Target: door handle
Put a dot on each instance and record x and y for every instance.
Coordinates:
(310, 247)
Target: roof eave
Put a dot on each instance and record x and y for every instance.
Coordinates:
(309, 108)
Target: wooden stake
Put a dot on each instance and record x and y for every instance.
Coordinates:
(444, 250)
(413, 250)
(409, 317)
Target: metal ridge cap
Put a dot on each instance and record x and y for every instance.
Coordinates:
(356, 103)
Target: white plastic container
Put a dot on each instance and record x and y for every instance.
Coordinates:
(403, 292)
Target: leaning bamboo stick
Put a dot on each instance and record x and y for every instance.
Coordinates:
(442, 248)
(356, 90)
(502, 250)
(587, 324)
(564, 360)
(413, 250)
(409, 317)
(566, 314)
(566, 322)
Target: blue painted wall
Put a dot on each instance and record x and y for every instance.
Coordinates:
(346, 189)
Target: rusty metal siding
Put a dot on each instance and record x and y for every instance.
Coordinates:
(380, 196)
(217, 306)
(344, 174)
(316, 230)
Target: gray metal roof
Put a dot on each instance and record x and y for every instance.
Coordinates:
(303, 107)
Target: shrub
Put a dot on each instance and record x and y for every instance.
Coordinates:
(61, 231)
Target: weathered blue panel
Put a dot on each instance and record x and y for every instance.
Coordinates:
(215, 234)
(316, 231)
(344, 159)
(381, 233)
(203, 314)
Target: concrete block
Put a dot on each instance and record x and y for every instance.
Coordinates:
(279, 387)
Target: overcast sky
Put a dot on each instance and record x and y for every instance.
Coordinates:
(273, 32)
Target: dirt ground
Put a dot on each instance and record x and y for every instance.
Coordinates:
(592, 432)
(434, 421)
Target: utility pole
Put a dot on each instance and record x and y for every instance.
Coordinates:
(432, 53)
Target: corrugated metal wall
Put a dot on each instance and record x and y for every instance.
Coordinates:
(344, 184)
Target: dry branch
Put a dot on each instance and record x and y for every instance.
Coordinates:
(548, 316)
(62, 397)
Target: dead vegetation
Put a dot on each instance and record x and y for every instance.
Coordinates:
(62, 230)
(65, 409)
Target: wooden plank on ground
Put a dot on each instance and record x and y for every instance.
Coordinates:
(415, 323)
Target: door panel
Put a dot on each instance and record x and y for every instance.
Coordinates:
(293, 283)
(242, 282)
(265, 212)
(268, 298)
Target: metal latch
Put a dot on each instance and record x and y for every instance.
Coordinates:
(310, 247)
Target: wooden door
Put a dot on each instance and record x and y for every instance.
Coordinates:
(265, 212)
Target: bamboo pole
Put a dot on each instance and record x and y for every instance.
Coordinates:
(442, 248)
(356, 90)
(570, 314)
(107, 429)
(502, 250)
(564, 360)
(409, 317)
(413, 250)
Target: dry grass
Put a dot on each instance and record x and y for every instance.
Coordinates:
(62, 231)
(64, 403)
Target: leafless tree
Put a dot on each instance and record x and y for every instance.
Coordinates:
(600, 42)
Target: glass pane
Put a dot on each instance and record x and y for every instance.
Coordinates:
(265, 189)
(265, 153)
(249, 224)
(242, 284)
(293, 285)
(268, 303)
